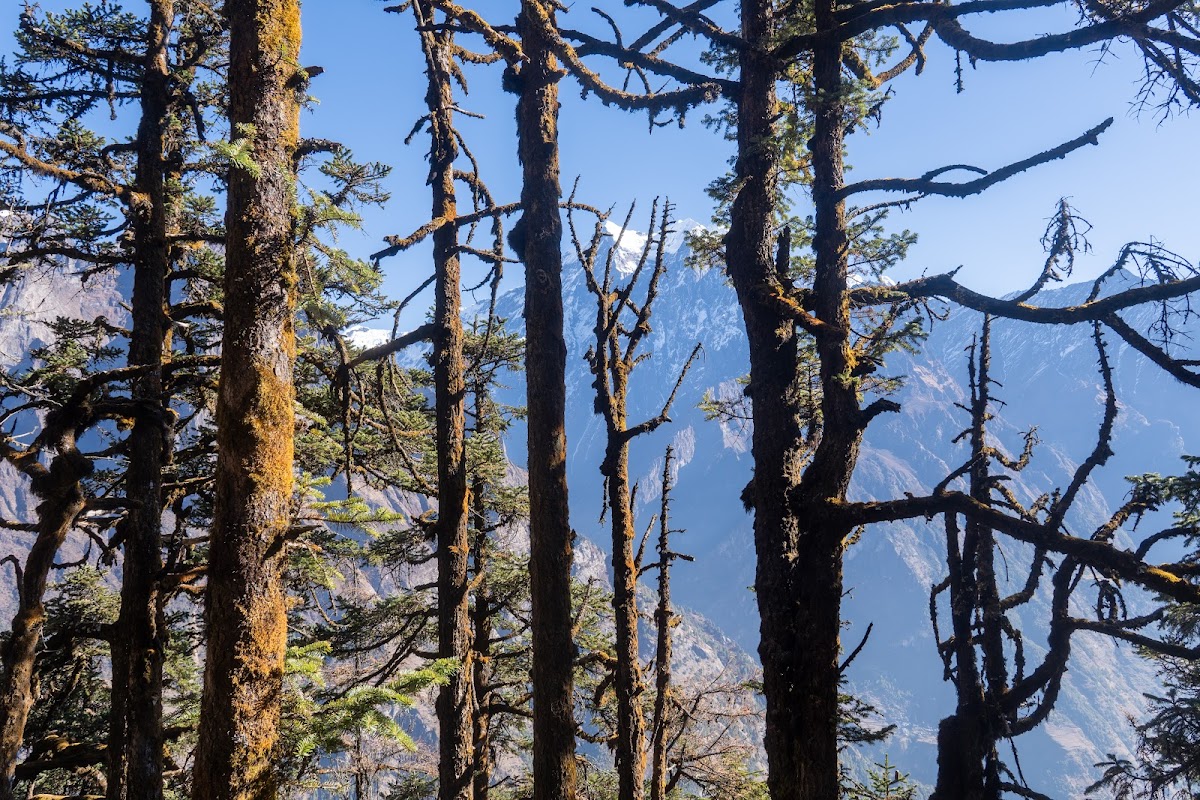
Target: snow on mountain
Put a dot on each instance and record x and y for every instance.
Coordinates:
(364, 337)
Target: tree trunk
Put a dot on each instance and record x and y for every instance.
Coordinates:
(799, 551)
(481, 631)
(246, 612)
(62, 500)
(627, 680)
(662, 654)
(538, 240)
(135, 731)
(453, 550)
(631, 722)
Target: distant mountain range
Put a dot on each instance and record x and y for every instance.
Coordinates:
(1048, 379)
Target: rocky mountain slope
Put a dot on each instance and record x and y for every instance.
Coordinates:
(1048, 378)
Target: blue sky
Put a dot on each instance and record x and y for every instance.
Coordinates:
(1141, 182)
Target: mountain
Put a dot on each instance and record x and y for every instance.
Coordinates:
(1047, 377)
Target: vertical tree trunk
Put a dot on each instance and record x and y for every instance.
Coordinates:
(776, 430)
(810, 687)
(799, 552)
(481, 632)
(246, 612)
(62, 500)
(453, 550)
(538, 240)
(631, 722)
(135, 731)
(662, 655)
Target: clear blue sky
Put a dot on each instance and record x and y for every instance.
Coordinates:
(1141, 182)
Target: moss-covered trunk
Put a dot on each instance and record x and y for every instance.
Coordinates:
(612, 388)
(246, 613)
(538, 237)
(630, 751)
(135, 731)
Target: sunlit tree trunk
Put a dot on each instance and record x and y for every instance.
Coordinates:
(246, 613)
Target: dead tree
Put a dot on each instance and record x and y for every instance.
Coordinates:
(664, 621)
(612, 360)
(1001, 696)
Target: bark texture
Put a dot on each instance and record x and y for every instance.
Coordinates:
(454, 702)
(537, 238)
(628, 682)
(799, 548)
(664, 620)
(246, 613)
(135, 746)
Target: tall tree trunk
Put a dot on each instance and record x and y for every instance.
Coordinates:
(246, 612)
(628, 683)
(481, 632)
(799, 551)
(776, 430)
(538, 240)
(663, 621)
(453, 551)
(812, 685)
(62, 500)
(135, 731)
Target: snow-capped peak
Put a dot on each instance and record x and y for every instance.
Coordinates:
(364, 337)
(635, 241)
(679, 231)
(628, 240)
(632, 243)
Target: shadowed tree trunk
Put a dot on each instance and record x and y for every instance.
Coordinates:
(799, 566)
(135, 729)
(481, 631)
(663, 620)
(246, 613)
(454, 700)
(61, 501)
(537, 238)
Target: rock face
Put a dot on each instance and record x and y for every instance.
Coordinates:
(27, 307)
